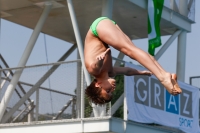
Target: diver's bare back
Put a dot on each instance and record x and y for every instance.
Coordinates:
(94, 47)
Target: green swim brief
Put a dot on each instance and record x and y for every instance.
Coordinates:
(95, 23)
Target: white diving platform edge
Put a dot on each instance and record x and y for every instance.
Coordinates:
(86, 125)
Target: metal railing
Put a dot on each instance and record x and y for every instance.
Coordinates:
(195, 81)
(43, 92)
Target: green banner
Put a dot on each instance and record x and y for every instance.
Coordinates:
(154, 16)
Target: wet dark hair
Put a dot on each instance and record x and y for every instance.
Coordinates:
(94, 94)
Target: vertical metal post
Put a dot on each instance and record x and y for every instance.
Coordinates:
(125, 107)
(181, 49)
(183, 7)
(181, 56)
(0, 83)
(30, 115)
(78, 39)
(78, 88)
(24, 59)
(173, 5)
(37, 104)
(82, 94)
(73, 108)
(107, 8)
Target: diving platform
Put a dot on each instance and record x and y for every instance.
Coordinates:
(86, 125)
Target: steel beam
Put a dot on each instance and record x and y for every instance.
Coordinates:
(182, 42)
(7, 96)
(36, 86)
(78, 39)
(181, 56)
(166, 45)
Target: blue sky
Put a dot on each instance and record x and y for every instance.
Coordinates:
(14, 39)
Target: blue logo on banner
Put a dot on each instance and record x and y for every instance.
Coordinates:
(172, 103)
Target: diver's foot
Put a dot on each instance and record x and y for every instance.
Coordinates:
(175, 84)
(167, 83)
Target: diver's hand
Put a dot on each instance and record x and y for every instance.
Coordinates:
(102, 56)
(145, 72)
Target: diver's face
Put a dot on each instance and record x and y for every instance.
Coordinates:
(108, 86)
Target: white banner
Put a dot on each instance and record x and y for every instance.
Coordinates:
(149, 102)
